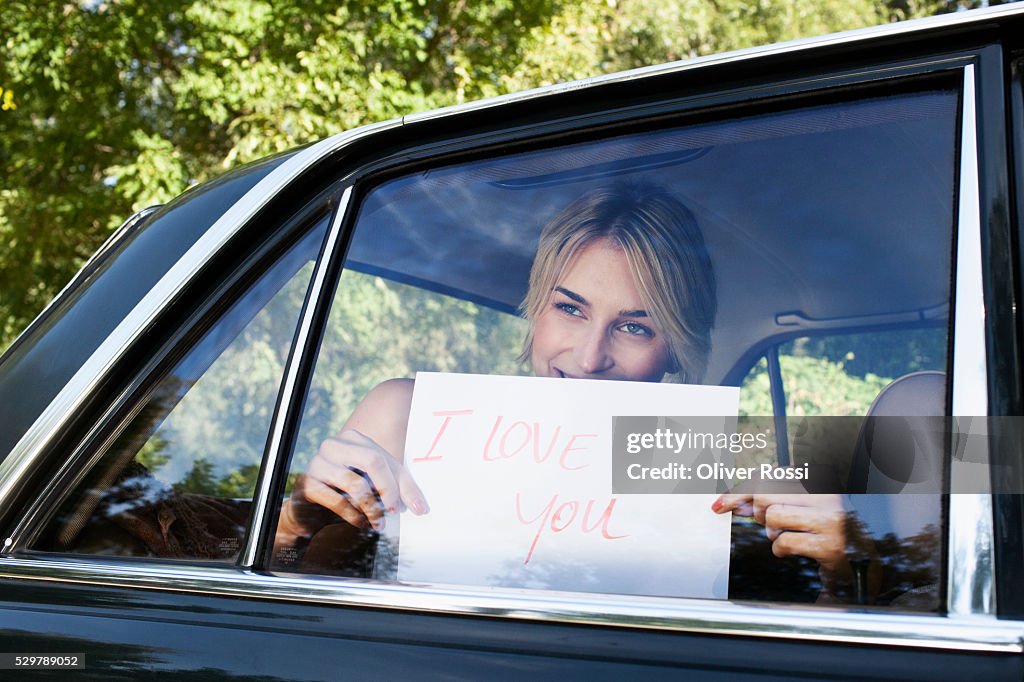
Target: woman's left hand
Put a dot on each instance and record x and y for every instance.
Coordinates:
(798, 524)
(819, 527)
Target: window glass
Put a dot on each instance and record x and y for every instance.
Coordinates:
(177, 480)
(842, 375)
(380, 329)
(755, 392)
(819, 238)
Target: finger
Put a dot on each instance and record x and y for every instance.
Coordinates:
(361, 495)
(358, 490)
(326, 496)
(760, 508)
(824, 548)
(412, 496)
(350, 451)
(801, 500)
(811, 545)
(807, 519)
(824, 507)
(732, 502)
(378, 469)
(773, 532)
(779, 518)
(791, 544)
(364, 454)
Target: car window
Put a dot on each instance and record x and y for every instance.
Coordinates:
(809, 254)
(177, 479)
(842, 374)
(838, 378)
(381, 328)
(62, 339)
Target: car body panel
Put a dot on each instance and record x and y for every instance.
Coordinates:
(136, 631)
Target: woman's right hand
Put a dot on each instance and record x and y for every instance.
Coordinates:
(355, 478)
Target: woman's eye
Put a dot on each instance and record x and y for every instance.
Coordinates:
(569, 309)
(636, 329)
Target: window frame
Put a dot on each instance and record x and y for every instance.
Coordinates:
(969, 569)
(1009, 509)
(231, 287)
(973, 629)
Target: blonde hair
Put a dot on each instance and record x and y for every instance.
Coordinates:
(667, 258)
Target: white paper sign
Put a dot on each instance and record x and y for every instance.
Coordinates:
(517, 473)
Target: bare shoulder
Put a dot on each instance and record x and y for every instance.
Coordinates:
(383, 414)
(393, 395)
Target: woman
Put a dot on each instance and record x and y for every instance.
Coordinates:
(621, 288)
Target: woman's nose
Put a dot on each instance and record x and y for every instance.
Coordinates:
(593, 352)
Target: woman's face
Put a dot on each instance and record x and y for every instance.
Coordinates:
(594, 325)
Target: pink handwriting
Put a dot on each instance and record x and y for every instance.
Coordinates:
(447, 414)
(521, 435)
(561, 518)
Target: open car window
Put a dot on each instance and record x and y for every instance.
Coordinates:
(826, 241)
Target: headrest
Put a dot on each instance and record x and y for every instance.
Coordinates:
(921, 394)
(900, 455)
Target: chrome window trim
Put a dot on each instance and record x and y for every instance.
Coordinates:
(735, 56)
(817, 623)
(262, 499)
(970, 578)
(16, 465)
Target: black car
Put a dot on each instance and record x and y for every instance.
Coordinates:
(861, 197)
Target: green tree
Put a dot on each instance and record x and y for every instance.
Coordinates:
(124, 103)
(814, 386)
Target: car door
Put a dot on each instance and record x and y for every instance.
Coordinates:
(852, 200)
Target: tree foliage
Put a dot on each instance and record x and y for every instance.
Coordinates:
(111, 105)
(124, 104)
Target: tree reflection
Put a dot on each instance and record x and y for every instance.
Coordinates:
(910, 569)
(910, 565)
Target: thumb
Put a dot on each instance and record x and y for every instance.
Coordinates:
(410, 492)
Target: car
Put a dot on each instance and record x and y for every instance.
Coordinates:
(861, 197)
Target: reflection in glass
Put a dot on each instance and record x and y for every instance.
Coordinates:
(177, 480)
(827, 227)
